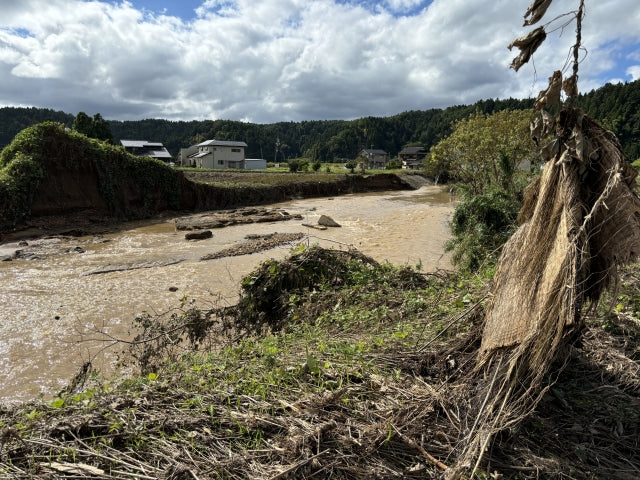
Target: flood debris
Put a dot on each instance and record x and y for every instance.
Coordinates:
(134, 266)
(254, 244)
(579, 224)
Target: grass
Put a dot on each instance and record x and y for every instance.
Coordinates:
(274, 176)
(361, 376)
(245, 178)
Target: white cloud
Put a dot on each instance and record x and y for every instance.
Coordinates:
(277, 60)
(634, 72)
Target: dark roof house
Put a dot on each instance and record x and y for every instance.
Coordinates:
(142, 148)
(412, 157)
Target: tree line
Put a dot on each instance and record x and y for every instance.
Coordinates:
(616, 106)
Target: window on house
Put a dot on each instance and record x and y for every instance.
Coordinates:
(220, 162)
(235, 150)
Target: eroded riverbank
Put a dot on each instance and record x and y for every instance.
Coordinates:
(51, 304)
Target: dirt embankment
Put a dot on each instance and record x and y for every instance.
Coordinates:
(200, 196)
(72, 201)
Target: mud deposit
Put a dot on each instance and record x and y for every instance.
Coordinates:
(64, 296)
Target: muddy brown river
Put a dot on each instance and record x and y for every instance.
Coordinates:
(51, 308)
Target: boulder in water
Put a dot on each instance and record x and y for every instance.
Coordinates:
(199, 235)
(327, 221)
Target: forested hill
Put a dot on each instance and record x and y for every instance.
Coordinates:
(323, 140)
(616, 106)
(15, 119)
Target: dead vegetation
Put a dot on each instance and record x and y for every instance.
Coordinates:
(370, 377)
(256, 243)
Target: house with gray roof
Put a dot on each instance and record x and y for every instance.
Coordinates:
(217, 154)
(374, 158)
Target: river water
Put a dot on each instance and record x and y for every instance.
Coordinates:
(52, 308)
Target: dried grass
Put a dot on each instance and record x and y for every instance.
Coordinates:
(580, 223)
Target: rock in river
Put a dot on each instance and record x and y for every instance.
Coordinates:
(327, 221)
(199, 235)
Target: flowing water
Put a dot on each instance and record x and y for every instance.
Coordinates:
(52, 309)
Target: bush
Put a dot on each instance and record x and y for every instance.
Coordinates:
(294, 165)
(481, 225)
(394, 164)
(19, 182)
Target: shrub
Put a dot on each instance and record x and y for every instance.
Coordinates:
(293, 165)
(19, 182)
(481, 224)
(393, 164)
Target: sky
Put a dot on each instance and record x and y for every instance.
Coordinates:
(266, 61)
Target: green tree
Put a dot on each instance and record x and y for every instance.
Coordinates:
(484, 151)
(101, 129)
(96, 127)
(484, 154)
(351, 164)
(83, 124)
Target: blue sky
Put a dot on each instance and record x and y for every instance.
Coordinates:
(185, 9)
(266, 61)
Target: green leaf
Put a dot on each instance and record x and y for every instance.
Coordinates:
(57, 403)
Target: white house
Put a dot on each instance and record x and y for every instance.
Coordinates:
(219, 154)
(142, 148)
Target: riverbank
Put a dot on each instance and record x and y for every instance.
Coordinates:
(55, 180)
(209, 190)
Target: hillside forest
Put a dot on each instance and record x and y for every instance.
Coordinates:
(617, 107)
